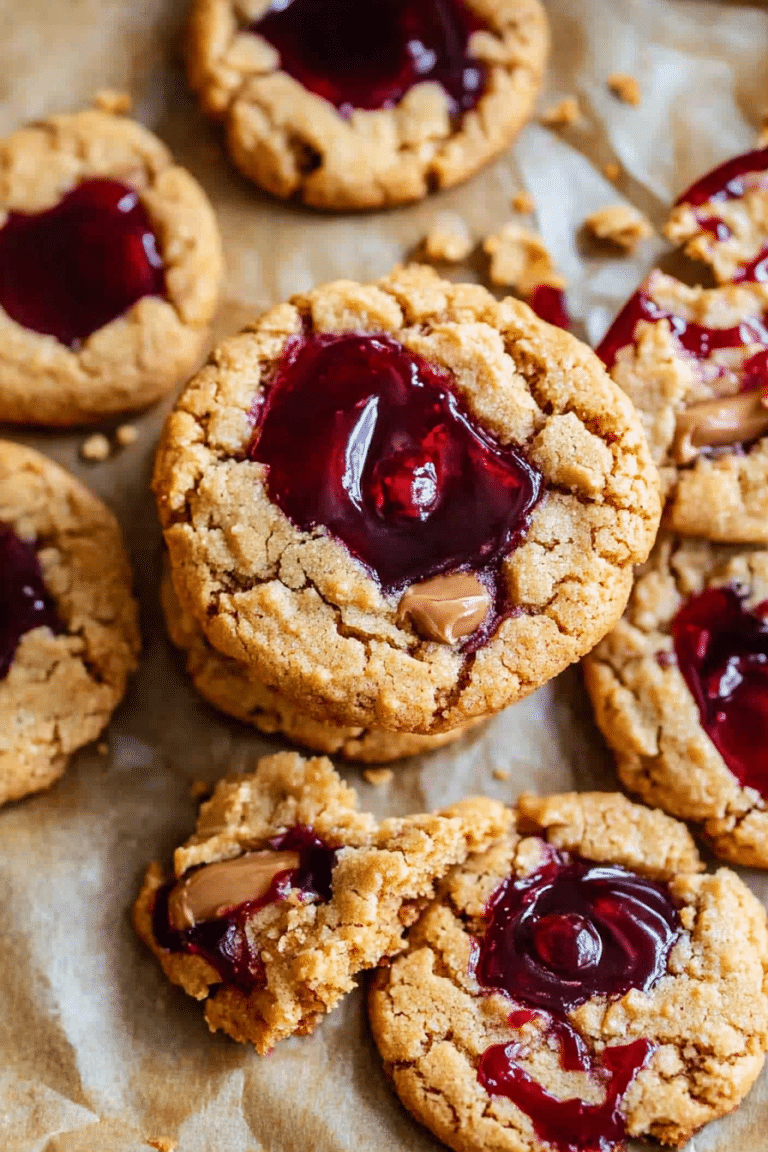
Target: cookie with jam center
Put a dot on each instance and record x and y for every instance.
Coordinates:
(68, 623)
(364, 106)
(578, 983)
(286, 891)
(230, 687)
(680, 691)
(110, 267)
(404, 504)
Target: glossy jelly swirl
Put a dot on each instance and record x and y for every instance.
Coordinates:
(224, 941)
(370, 441)
(722, 653)
(575, 929)
(25, 602)
(70, 270)
(368, 55)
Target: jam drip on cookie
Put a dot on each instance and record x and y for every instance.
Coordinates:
(722, 653)
(24, 601)
(222, 938)
(549, 304)
(369, 55)
(370, 441)
(70, 270)
(571, 930)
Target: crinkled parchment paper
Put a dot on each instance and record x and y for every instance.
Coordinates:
(98, 1050)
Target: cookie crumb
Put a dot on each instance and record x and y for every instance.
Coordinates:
(612, 170)
(102, 748)
(161, 1143)
(378, 776)
(199, 789)
(126, 434)
(448, 240)
(500, 774)
(625, 87)
(523, 203)
(562, 114)
(96, 448)
(520, 260)
(621, 225)
(110, 100)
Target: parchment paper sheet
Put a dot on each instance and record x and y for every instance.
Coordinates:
(97, 1050)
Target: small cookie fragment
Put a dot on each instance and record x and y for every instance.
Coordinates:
(612, 170)
(378, 777)
(579, 983)
(275, 966)
(624, 87)
(520, 259)
(523, 203)
(500, 774)
(762, 137)
(112, 101)
(126, 435)
(671, 718)
(96, 448)
(448, 239)
(622, 225)
(563, 114)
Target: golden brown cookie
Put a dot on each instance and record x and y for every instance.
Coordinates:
(406, 98)
(110, 266)
(68, 623)
(230, 687)
(286, 892)
(681, 695)
(577, 983)
(485, 513)
(694, 362)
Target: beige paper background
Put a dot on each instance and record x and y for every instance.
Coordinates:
(97, 1050)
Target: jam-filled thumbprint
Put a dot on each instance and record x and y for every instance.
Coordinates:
(369, 55)
(25, 602)
(68, 271)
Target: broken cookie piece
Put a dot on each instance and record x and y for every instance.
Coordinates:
(621, 225)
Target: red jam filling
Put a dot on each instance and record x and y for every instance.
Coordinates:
(696, 339)
(370, 441)
(572, 930)
(70, 270)
(550, 304)
(24, 601)
(368, 55)
(725, 182)
(722, 652)
(224, 942)
(571, 1125)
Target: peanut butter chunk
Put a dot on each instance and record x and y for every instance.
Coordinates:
(447, 607)
(716, 423)
(212, 889)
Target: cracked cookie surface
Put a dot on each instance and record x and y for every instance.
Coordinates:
(62, 687)
(293, 142)
(132, 360)
(305, 615)
(676, 350)
(310, 951)
(230, 687)
(703, 1022)
(647, 712)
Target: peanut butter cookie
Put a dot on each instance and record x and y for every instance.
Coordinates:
(680, 691)
(404, 504)
(286, 892)
(110, 264)
(577, 983)
(364, 106)
(68, 623)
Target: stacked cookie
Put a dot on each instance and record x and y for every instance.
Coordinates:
(680, 686)
(395, 509)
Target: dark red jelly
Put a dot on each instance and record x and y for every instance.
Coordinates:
(722, 652)
(727, 181)
(575, 929)
(24, 601)
(696, 339)
(366, 439)
(68, 271)
(224, 942)
(549, 303)
(369, 55)
(570, 1125)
